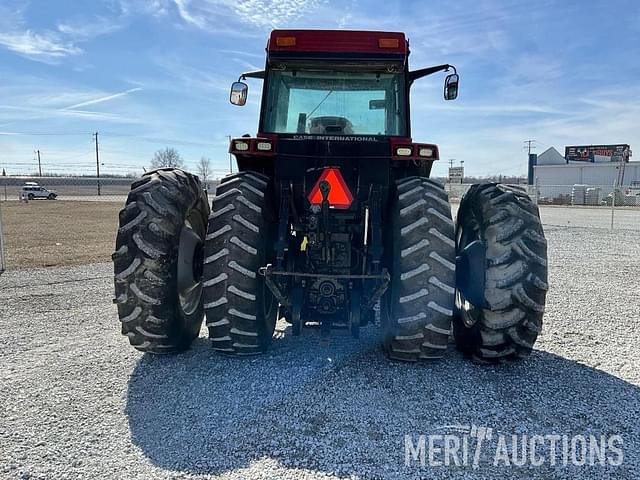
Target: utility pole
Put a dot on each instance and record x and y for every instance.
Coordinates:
(530, 147)
(451, 160)
(39, 164)
(531, 162)
(97, 162)
(230, 156)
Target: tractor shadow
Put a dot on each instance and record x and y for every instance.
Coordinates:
(344, 409)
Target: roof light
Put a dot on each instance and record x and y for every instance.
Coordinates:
(404, 151)
(286, 41)
(241, 146)
(388, 43)
(264, 146)
(425, 152)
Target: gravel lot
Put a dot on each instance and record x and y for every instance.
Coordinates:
(77, 402)
(625, 218)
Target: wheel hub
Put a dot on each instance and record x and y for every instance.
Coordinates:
(470, 273)
(190, 265)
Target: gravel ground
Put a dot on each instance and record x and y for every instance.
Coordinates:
(77, 402)
(625, 218)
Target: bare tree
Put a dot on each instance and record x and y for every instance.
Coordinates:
(168, 157)
(204, 169)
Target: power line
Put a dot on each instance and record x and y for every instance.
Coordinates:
(165, 141)
(83, 154)
(53, 134)
(115, 134)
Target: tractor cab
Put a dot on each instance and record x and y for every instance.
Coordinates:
(329, 92)
(334, 135)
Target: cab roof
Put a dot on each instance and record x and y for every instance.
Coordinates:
(319, 43)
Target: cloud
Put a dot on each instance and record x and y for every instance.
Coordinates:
(29, 102)
(155, 8)
(33, 45)
(189, 16)
(245, 64)
(31, 114)
(191, 80)
(51, 45)
(101, 99)
(205, 14)
(490, 109)
(86, 29)
(245, 54)
(113, 117)
(597, 116)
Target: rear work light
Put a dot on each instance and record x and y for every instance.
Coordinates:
(388, 43)
(264, 146)
(286, 41)
(404, 151)
(425, 152)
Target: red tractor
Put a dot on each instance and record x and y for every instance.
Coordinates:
(332, 221)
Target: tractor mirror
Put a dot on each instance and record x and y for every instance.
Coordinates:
(239, 91)
(451, 87)
(377, 104)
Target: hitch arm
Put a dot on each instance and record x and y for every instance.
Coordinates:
(273, 286)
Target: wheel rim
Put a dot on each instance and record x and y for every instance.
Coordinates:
(191, 263)
(469, 313)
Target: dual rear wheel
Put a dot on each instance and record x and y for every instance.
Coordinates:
(174, 262)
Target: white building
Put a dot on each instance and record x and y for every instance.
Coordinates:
(586, 173)
(555, 177)
(551, 157)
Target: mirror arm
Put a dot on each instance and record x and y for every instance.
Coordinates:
(423, 72)
(255, 74)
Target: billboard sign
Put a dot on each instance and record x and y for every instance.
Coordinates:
(595, 153)
(456, 174)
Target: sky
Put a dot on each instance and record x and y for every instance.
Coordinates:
(156, 73)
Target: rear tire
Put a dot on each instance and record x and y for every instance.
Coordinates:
(158, 261)
(241, 311)
(417, 308)
(508, 223)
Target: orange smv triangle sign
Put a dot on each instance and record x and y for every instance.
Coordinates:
(339, 196)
